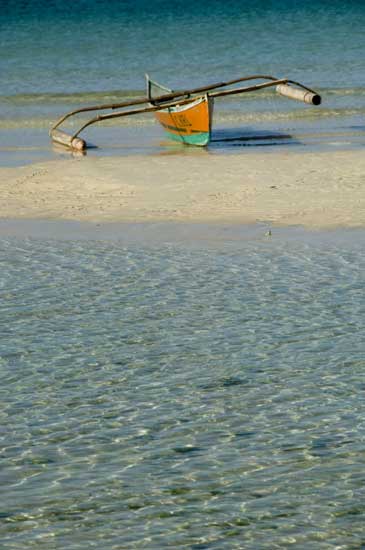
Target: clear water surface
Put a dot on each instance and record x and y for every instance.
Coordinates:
(174, 396)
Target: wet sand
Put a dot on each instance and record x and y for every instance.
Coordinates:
(314, 190)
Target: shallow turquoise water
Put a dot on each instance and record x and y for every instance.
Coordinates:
(167, 395)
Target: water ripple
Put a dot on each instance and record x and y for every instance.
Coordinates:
(178, 397)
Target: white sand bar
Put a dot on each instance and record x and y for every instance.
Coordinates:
(316, 190)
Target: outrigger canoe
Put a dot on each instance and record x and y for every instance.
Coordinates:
(186, 115)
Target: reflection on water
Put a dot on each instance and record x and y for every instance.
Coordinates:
(175, 396)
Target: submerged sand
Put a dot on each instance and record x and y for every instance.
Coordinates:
(316, 190)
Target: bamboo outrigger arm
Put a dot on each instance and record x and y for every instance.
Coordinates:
(181, 97)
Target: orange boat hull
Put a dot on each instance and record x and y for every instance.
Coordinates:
(190, 123)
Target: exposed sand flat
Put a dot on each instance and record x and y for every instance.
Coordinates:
(317, 190)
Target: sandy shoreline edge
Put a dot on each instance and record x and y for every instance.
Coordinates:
(314, 190)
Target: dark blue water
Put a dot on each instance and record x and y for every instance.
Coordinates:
(56, 58)
(108, 45)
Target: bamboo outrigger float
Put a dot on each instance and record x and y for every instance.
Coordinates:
(186, 115)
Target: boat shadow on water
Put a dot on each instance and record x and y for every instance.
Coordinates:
(243, 137)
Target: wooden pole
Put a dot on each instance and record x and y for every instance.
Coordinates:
(248, 88)
(160, 99)
(178, 98)
(120, 114)
(74, 142)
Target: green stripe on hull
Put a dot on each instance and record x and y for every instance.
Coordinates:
(201, 138)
